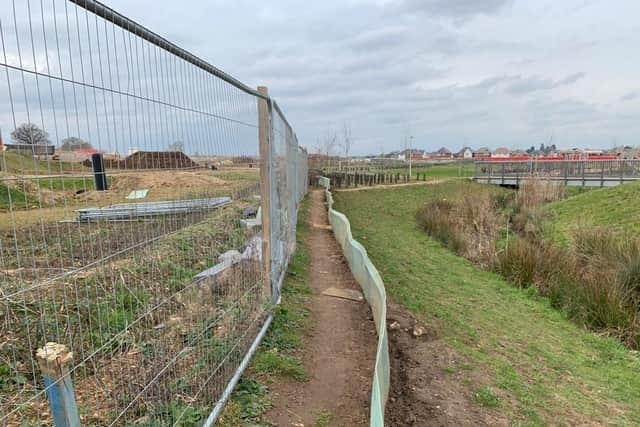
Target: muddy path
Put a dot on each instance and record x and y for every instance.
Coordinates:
(339, 352)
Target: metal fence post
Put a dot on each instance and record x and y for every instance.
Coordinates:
(54, 360)
(264, 131)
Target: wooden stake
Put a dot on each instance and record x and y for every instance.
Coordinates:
(54, 360)
(264, 139)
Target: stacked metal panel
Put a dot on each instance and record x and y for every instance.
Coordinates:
(127, 211)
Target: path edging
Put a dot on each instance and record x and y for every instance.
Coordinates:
(372, 286)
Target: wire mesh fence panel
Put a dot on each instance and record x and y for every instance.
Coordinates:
(289, 176)
(129, 187)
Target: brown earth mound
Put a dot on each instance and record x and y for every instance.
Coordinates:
(150, 160)
(128, 181)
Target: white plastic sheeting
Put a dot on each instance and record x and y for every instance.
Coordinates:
(372, 286)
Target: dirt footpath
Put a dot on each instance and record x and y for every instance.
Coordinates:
(402, 184)
(339, 353)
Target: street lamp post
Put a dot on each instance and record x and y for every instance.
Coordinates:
(410, 156)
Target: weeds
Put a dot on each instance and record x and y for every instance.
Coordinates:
(272, 363)
(596, 281)
(486, 397)
(324, 419)
(277, 355)
(467, 224)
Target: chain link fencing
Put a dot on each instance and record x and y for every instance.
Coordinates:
(134, 286)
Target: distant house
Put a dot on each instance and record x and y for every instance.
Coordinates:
(501, 152)
(33, 149)
(627, 152)
(465, 153)
(442, 154)
(414, 154)
(579, 153)
(482, 153)
(519, 153)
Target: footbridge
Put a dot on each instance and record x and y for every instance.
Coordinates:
(582, 173)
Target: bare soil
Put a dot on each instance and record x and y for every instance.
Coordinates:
(127, 181)
(428, 379)
(339, 353)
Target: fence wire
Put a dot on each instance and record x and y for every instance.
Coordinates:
(159, 303)
(289, 175)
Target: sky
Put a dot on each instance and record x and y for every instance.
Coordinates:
(510, 73)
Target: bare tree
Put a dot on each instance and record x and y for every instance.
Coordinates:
(347, 141)
(328, 145)
(30, 134)
(74, 143)
(176, 146)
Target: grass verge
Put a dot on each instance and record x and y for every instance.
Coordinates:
(594, 280)
(616, 208)
(13, 198)
(25, 164)
(525, 358)
(278, 355)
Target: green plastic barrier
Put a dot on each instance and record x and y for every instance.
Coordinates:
(372, 286)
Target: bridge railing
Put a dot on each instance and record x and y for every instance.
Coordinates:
(571, 172)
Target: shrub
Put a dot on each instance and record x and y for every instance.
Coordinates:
(518, 263)
(596, 281)
(527, 215)
(468, 223)
(533, 193)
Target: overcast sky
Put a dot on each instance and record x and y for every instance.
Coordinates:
(448, 72)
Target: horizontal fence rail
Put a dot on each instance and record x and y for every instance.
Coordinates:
(586, 173)
(148, 204)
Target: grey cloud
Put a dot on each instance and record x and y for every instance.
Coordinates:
(492, 82)
(458, 9)
(382, 66)
(378, 39)
(534, 84)
(630, 96)
(571, 79)
(564, 113)
(530, 84)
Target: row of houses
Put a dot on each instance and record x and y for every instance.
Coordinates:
(485, 153)
(466, 153)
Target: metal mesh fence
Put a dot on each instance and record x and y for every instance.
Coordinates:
(289, 175)
(129, 234)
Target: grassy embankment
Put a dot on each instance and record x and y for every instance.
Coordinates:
(20, 164)
(519, 354)
(277, 358)
(18, 194)
(617, 208)
(438, 171)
